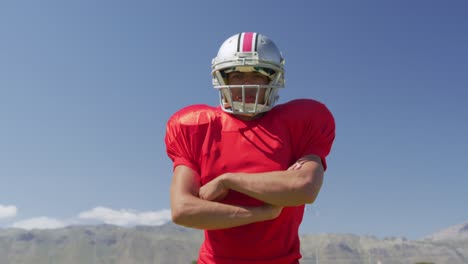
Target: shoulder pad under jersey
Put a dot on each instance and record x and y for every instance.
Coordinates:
(193, 115)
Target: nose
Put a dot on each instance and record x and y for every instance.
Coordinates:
(249, 80)
(248, 92)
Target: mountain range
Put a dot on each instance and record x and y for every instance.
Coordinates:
(171, 244)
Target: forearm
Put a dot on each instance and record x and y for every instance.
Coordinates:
(283, 188)
(193, 212)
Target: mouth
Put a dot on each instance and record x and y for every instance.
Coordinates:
(250, 99)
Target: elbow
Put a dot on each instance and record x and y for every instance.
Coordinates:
(180, 212)
(177, 216)
(309, 197)
(310, 189)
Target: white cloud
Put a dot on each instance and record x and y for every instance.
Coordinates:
(39, 223)
(127, 217)
(7, 211)
(96, 215)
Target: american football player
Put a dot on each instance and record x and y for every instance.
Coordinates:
(243, 171)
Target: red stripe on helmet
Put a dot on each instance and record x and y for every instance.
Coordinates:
(247, 43)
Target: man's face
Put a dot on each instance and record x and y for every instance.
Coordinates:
(247, 78)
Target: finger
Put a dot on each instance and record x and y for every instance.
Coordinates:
(295, 166)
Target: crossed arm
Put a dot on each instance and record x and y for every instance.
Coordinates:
(196, 206)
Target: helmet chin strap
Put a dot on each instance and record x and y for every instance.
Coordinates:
(248, 108)
(244, 108)
(241, 115)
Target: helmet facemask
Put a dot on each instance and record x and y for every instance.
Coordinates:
(247, 99)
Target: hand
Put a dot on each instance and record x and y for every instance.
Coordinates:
(296, 166)
(272, 211)
(213, 190)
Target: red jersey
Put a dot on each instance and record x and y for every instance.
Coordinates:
(213, 142)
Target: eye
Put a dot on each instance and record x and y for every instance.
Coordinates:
(235, 77)
(261, 78)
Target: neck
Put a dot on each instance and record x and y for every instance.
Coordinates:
(245, 117)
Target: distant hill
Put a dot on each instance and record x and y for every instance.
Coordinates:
(171, 244)
(456, 232)
(99, 245)
(353, 249)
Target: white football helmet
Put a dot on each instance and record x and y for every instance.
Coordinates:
(248, 51)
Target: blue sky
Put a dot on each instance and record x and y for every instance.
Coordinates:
(86, 88)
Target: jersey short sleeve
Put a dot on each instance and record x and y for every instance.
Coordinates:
(185, 132)
(312, 128)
